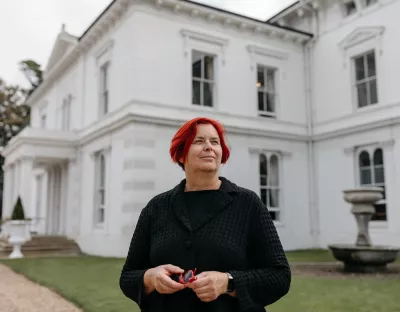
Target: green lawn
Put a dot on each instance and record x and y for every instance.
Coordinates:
(92, 283)
(310, 255)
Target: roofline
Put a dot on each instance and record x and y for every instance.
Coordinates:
(85, 40)
(97, 19)
(277, 15)
(247, 17)
(208, 7)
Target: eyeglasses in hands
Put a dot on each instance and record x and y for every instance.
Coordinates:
(187, 277)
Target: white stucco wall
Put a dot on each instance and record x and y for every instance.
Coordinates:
(337, 170)
(333, 93)
(140, 167)
(150, 79)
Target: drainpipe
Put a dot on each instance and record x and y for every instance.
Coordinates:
(312, 176)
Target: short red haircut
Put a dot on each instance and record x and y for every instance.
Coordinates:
(184, 137)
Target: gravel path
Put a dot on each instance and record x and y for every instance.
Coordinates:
(18, 294)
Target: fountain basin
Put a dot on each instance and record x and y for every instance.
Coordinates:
(367, 259)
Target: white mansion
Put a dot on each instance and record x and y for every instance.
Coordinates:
(310, 100)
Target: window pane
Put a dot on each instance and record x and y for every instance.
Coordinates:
(208, 94)
(263, 180)
(383, 191)
(263, 164)
(364, 159)
(260, 101)
(379, 175)
(274, 198)
(260, 77)
(274, 174)
(196, 92)
(371, 64)
(196, 64)
(378, 157)
(208, 67)
(271, 80)
(365, 176)
(100, 216)
(362, 94)
(270, 103)
(105, 102)
(104, 76)
(380, 212)
(373, 91)
(101, 197)
(264, 196)
(102, 170)
(370, 2)
(273, 215)
(360, 68)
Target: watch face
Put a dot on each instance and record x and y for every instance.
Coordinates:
(231, 286)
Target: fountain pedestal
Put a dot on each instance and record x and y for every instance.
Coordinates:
(363, 256)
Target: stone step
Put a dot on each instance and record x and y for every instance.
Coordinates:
(43, 245)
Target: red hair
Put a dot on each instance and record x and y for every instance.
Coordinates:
(184, 137)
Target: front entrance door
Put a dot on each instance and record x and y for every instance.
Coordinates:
(54, 206)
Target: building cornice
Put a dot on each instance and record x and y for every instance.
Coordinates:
(118, 8)
(385, 122)
(298, 7)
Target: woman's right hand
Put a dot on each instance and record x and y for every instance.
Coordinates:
(158, 278)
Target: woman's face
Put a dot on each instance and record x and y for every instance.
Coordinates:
(205, 153)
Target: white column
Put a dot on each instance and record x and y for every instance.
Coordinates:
(6, 190)
(25, 178)
(16, 190)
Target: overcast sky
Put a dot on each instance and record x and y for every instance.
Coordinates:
(29, 27)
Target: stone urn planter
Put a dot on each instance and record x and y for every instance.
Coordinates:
(363, 256)
(18, 235)
(18, 230)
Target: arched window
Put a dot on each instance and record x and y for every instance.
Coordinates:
(100, 187)
(269, 184)
(371, 173)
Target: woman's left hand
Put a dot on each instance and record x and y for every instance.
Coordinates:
(209, 285)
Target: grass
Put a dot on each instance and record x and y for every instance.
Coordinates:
(92, 284)
(310, 255)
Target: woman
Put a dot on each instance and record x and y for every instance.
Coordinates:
(209, 224)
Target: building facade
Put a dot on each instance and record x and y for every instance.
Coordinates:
(308, 99)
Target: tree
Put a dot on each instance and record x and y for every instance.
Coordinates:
(14, 113)
(32, 72)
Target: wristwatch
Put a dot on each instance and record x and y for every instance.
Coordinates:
(231, 284)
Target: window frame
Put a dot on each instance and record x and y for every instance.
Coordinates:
(104, 88)
(204, 80)
(99, 187)
(271, 58)
(366, 80)
(371, 150)
(278, 210)
(208, 44)
(265, 91)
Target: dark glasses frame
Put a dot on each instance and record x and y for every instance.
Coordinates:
(187, 277)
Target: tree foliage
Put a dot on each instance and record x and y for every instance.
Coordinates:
(18, 211)
(14, 113)
(32, 72)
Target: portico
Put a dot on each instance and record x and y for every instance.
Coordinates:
(36, 168)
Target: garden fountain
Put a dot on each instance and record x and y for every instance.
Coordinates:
(363, 256)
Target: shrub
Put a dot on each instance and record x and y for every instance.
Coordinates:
(18, 212)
